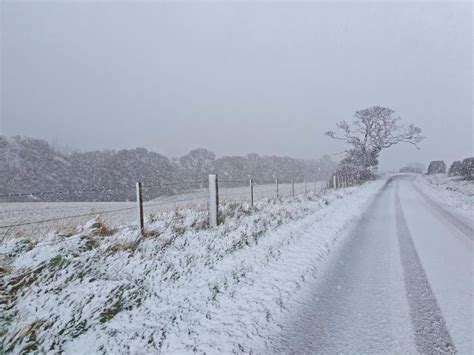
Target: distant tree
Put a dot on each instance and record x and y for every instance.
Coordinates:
(197, 164)
(455, 169)
(411, 169)
(468, 168)
(436, 167)
(374, 129)
(32, 165)
(417, 166)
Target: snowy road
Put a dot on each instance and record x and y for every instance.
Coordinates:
(402, 282)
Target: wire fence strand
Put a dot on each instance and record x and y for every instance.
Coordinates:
(102, 189)
(263, 189)
(95, 213)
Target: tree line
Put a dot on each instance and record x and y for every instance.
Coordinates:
(32, 165)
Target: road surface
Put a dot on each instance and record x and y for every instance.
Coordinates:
(402, 282)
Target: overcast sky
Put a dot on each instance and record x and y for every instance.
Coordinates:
(235, 78)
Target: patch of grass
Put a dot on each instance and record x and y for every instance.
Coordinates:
(79, 328)
(102, 230)
(26, 336)
(124, 297)
(90, 244)
(220, 217)
(4, 269)
(66, 230)
(200, 224)
(56, 262)
(110, 312)
(233, 209)
(23, 280)
(22, 246)
(121, 246)
(165, 243)
(148, 233)
(179, 229)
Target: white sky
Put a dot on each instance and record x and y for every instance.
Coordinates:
(235, 78)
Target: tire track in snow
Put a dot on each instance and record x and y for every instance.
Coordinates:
(431, 333)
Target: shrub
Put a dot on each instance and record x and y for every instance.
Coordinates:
(455, 169)
(467, 169)
(437, 167)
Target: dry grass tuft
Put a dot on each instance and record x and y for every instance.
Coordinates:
(27, 336)
(148, 233)
(101, 229)
(116, 247)
(19, 233)
(66, 230)
(200, 224)
(4, 269)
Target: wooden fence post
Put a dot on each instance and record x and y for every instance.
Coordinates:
(141, 225)
(213, 200)
(293, 188)
(251, 193)
(276, 182)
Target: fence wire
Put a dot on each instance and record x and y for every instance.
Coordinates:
(194, 193)
(162, 188)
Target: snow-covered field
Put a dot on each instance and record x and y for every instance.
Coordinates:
(182, 288)
(121, 213)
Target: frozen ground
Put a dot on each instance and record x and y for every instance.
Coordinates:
(181, 289)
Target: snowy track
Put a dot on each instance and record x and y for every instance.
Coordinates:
(402, 282)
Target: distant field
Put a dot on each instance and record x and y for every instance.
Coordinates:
(123, 213)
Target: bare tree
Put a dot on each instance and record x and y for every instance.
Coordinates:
(374, 129)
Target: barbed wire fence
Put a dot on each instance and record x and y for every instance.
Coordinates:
(206, 193)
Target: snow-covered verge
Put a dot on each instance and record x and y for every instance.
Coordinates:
(181, 288)
(453, 191)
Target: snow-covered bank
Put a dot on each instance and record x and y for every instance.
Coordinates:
(452, 191)
(183, 288)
